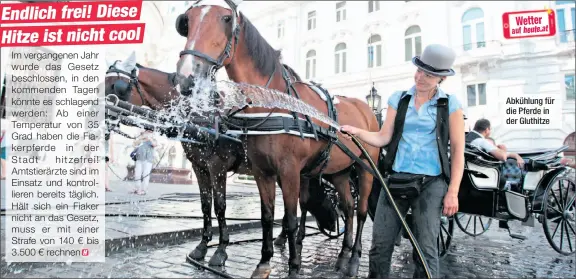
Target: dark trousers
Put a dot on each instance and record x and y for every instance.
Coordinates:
(426, 213)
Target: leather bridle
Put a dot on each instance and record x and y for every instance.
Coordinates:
(232, 39)
(120, 86)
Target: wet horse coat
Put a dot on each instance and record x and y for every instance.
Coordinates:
(211, 162)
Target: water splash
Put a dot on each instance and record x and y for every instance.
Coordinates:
(237, 95)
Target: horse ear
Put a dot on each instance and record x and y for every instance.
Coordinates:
(108, 62)
(131, 61)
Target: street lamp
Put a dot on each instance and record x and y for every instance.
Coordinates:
(374, 101)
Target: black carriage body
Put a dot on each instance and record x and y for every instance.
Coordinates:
(485, 189)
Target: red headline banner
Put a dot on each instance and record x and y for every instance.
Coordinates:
(53, 35)
(70, 11)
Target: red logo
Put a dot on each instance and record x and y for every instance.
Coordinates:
(527, 24)
(85, 252)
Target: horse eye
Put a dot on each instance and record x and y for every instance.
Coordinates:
(227, 18)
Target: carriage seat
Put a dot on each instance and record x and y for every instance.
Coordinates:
(531, 153)
(473, 151)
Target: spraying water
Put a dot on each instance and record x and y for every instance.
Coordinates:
(237, 95)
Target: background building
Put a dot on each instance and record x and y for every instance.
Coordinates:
(349, 45)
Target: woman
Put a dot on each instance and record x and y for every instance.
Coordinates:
(145, 144)
(418, 154)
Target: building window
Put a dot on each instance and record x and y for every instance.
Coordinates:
(312, 20)
(566, 18)
(374, 51)
(340, 11)
(476, 94)
(373, 6)
(569, 81)
(280, 29)
(340, 58)
(311, 64)
(473, 29)
(412, 42)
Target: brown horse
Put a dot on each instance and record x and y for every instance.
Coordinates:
(221, 37)
(143, 86)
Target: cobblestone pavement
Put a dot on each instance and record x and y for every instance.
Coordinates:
(493, 254)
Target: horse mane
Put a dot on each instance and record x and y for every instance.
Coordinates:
(265, 57)
(292, 72)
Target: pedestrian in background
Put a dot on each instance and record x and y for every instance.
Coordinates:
(416, 152)
(3, 140)
(109, 149)
(145, 145)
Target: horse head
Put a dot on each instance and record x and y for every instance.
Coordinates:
(139, 85)
(212, 29)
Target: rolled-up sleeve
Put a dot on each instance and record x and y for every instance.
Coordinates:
(394, 99)
(453, 104)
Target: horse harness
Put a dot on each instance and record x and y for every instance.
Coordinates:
(248, 124)
(120, 86)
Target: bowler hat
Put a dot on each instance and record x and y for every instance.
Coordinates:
(436, 60)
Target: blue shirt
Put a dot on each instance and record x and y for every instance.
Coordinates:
(418, 149)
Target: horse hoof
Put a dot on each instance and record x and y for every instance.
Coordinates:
(199, 252)
(280, 241)
(219, 258)
(262, 271)
(293, 273)
(353, 266)
(340, 263)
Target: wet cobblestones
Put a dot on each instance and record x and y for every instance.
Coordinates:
(493, 254)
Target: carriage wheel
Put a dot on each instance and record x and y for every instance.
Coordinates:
(559, 220)
(339, 230)
(473, 225)
(445, 237)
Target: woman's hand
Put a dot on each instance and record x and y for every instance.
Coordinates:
(350, 129)
(450, 204)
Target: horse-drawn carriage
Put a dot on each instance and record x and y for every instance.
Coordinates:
(544, 190)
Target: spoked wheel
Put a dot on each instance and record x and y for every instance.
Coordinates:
(559, 220)
(339, 227)
(445, 237)
(473, 225)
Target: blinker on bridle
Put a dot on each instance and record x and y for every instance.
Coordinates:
(182, 29)
(120, 86)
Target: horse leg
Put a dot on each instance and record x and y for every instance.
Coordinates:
(365, 187)
(267, 189)
(219, 186)
(203, 177)
(291, 193)
(282, 237)
(342, 185)
(304, 196)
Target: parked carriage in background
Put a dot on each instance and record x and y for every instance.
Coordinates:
(544, 190)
